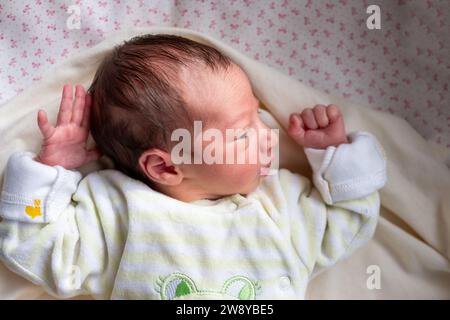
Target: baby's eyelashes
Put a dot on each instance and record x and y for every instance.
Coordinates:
(243, 136)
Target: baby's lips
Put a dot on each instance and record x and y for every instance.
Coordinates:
(267, 171)
(270, 168)
(264, 171)
(266, 162)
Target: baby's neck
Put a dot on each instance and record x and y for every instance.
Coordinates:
(190, 195)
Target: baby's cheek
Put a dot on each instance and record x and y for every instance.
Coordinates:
(244, 174)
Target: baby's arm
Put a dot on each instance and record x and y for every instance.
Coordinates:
(340, 214)
(57, 232)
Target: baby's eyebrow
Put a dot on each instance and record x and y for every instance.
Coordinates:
(232, 122)
(241, 115)
(237, 119)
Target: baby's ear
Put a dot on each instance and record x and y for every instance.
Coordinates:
(158, 167)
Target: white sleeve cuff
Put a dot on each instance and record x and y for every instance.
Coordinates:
(351, 170)
(35, 192)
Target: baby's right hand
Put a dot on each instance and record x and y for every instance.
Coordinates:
(65, 144)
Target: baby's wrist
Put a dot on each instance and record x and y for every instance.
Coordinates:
(37, 159)
(332, 143)
(341, 141)
(42, 160)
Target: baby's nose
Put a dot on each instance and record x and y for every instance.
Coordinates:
(273, 138)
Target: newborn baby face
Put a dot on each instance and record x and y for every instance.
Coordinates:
(225, 102)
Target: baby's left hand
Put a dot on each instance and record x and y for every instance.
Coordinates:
(318, 128)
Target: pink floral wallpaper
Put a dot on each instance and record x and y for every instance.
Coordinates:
(402, 68)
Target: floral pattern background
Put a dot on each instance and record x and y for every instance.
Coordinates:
(403, 68)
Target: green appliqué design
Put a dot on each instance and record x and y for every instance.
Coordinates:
(180, 286)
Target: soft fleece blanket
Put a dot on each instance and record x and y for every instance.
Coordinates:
(409, 256)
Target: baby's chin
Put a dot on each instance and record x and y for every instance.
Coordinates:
(244, 191)
(244, 185)
(253, 185)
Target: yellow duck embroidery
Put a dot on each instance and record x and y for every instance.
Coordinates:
(35, 211)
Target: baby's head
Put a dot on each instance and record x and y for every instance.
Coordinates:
(152, 85)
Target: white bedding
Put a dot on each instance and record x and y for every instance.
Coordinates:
(411, 248)
(403, 69)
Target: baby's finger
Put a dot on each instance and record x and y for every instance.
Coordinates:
(65, 108)
(308, 119)
(79, 105)
(320, 114)
(333, 113)
(87, 111)
(296, 128)
(46, 128)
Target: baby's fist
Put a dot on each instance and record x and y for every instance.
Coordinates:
(318, 128)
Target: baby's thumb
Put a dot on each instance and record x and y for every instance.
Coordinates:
(296, 129)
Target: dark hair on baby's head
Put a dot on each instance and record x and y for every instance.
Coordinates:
(136, 98)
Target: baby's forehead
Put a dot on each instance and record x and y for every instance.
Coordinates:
(209, 92)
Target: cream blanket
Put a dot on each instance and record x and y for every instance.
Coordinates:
(410, 253)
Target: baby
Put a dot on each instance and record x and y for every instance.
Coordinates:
(158, 229)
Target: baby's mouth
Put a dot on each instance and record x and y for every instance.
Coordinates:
(266, 170)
